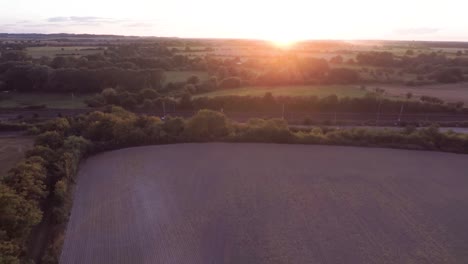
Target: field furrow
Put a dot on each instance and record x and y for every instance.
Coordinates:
(267, 203)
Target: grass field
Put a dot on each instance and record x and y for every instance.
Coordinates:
(12, 149)
(291, 90)
(268, 203)
(37, 52)
(182, 76)
(447, 92)
(50, 100)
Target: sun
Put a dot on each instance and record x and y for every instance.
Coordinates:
(283, 43)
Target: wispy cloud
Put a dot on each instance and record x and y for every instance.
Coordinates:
(417, 31)
(58, 19)
(78, 19)
(139, 25)
(81, 24)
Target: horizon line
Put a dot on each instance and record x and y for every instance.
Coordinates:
(232, 38)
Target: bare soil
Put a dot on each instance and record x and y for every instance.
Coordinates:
(268, 203)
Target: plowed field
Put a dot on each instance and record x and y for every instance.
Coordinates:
(266, 203)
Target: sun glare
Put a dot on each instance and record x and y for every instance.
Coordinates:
(283, 43)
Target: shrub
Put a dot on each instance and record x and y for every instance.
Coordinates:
(207, 125)
(259, 130)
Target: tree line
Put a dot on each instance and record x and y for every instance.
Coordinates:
(39, 185)
(36, 78)
(149, 100)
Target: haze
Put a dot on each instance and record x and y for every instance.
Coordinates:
(273, 20)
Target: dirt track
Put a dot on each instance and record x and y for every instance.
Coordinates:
(266, 203)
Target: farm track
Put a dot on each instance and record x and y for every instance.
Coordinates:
(267, 203)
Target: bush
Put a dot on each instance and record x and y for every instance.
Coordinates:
(432, 100)
(259, 130)
(207, 125)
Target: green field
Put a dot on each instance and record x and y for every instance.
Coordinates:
(182, 76)
(289, 90)
(37, 52)
(49, 100)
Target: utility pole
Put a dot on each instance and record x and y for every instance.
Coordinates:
(401, 112)
(378, 113)
(283, 112)
(164, 108)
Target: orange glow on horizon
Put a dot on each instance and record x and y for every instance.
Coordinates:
(283, 43)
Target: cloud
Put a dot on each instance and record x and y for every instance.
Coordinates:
(58, 19)
(80, 24)
(78, 19)
(417, 31)
(140, 25)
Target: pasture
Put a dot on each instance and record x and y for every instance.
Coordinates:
(268, 203)
(291, 90)
(448, 92)
(12, 149)
(182, 76)
(53, 51)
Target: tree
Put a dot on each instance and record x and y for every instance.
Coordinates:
(28, 179)
(17, 217)
(110, 95)
(193, 80)
(173, 126)
(51, 139)
(186, 101)
(15, 55)
(148, 94)
(449, 75)
(60, 125)
(343, 75)
(230, 83)
(337, 60)
(207, 125)
(409, 53)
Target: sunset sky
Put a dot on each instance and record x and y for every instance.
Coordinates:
(261, 19)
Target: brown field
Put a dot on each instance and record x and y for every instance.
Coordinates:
(12, 148)
(267, 203)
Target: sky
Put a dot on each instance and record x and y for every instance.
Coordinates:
(276, 20)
